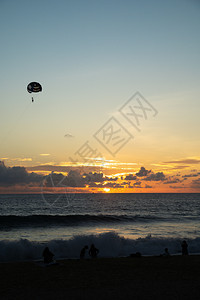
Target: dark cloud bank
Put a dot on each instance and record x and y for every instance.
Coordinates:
(11, 176)
(17, 175)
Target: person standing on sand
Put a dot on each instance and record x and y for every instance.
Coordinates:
(184, 246)
(93, 252)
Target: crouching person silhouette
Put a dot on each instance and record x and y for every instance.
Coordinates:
(48, 256)
(82, 253)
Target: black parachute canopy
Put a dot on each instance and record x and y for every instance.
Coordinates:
(34, 87)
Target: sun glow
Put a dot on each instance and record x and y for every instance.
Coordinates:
(106, 190)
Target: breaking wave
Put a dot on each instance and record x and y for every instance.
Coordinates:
(109, 244)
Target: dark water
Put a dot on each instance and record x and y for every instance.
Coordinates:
(116, 222)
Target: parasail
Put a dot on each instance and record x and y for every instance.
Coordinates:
(34, 87)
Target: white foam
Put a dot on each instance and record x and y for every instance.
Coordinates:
(109, 244)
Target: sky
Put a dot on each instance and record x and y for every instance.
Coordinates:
(119, 109)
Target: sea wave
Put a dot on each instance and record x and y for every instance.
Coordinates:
(68, 220)
(110, 244)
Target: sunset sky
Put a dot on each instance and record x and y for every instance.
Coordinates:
(119, 110)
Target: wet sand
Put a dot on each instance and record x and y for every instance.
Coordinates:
(175, 277)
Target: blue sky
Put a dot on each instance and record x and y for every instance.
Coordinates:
(90, 57)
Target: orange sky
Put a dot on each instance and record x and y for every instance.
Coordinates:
(119, 95)
(181, 176)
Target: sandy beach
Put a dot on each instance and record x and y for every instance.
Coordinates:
(175, 277)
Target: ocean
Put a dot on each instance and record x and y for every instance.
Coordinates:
(118, 224)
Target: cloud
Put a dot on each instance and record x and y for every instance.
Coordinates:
(50, 168)
(76, 179)
(191, 175)
(196, 183)
(113, 185)
(147, 175)
(189, 161)
(137, 184)
(45, 154)
(68, 135)
(73, 179)
(93, 177)
(179, 167)
(177, 187)
(97, 177)
(172, 181)
(85, 177)
(130, 177)
(17, 175)
(159, 176)
(148, 186)
(143, 172)
(22, 159)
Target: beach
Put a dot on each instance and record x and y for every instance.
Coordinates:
(174, 277)
(117, 225)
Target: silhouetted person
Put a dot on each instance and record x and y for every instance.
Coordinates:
(93, 252)
(48, 256)
(82, 253)
(166, 253)
(184, 246)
